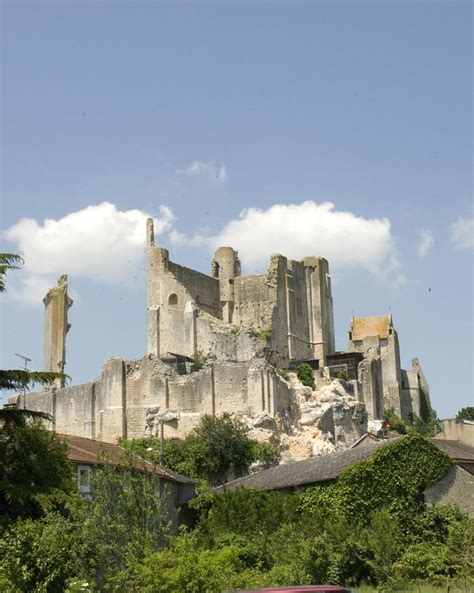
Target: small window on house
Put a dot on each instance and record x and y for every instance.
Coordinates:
(173, 299)
(84, 480)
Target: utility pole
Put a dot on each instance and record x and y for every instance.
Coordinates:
(162, 441)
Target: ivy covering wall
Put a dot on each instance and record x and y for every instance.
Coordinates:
(394, 477)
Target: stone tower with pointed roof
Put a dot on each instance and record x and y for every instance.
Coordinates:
(383, 383)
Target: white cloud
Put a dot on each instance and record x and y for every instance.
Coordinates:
(298, 230)
(462, 234)
(98, 242)
(426, 243)
(208, 169)
(179, 239)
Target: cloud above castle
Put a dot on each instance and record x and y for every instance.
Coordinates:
(99, 242)
(104, 244)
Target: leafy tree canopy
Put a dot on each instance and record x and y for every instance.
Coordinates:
(215, 450)
(35, 468)
(8, 262)
(427, 427)
(465, 414)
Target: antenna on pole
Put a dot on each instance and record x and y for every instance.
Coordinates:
(25, 360)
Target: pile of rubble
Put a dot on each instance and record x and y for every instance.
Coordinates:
(322, 420)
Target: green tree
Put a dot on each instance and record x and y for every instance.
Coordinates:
(465, 414)
(42, 555)
(126, 517)
(216, 449)
(188, 568)
(90, 541)
(35, 469)
(305, 375)
(429, 563)
(8, 262)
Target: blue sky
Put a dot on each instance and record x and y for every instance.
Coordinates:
(244, 120)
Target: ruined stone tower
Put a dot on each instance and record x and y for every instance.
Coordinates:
(190, 312)
(56, 326)
(226, 266)
(319, 299)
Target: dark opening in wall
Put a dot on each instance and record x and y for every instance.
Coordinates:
(173, 299)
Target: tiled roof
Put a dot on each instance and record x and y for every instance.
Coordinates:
(308, 471)
(328, 467)
(89, 451)
(364, 327)
(455, 449)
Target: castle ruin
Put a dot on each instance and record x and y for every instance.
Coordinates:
(231, 343)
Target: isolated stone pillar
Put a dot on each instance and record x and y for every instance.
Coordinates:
(56, 326)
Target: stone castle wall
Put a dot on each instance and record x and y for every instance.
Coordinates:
(116, 405)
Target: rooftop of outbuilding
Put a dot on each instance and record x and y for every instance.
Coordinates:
(90, 451)
(307, 471)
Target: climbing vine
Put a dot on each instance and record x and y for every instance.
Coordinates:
(394, 477)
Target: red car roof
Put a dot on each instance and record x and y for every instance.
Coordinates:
(300, 589)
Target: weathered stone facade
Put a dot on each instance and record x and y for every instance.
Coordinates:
(56, 326)
(219, 343)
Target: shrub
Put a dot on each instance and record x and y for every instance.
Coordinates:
(266, 453)
(396, 423)
(188, 568)
(305, 375)
(263, 334)
(217, 448)
(284, 374)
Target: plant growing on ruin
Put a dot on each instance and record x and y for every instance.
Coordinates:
(428, 427)
(396, 423)
(200, 360)
(266, 453)
(343, 376)
(262, 334)
(305, 375)
(284, 374)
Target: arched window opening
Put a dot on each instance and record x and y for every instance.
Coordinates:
(215, 269)
(173, 299)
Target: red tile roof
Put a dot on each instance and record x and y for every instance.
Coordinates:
(89, 451)
(366, 327)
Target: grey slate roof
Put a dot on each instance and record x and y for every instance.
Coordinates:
(455, 449)
(308, 471)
